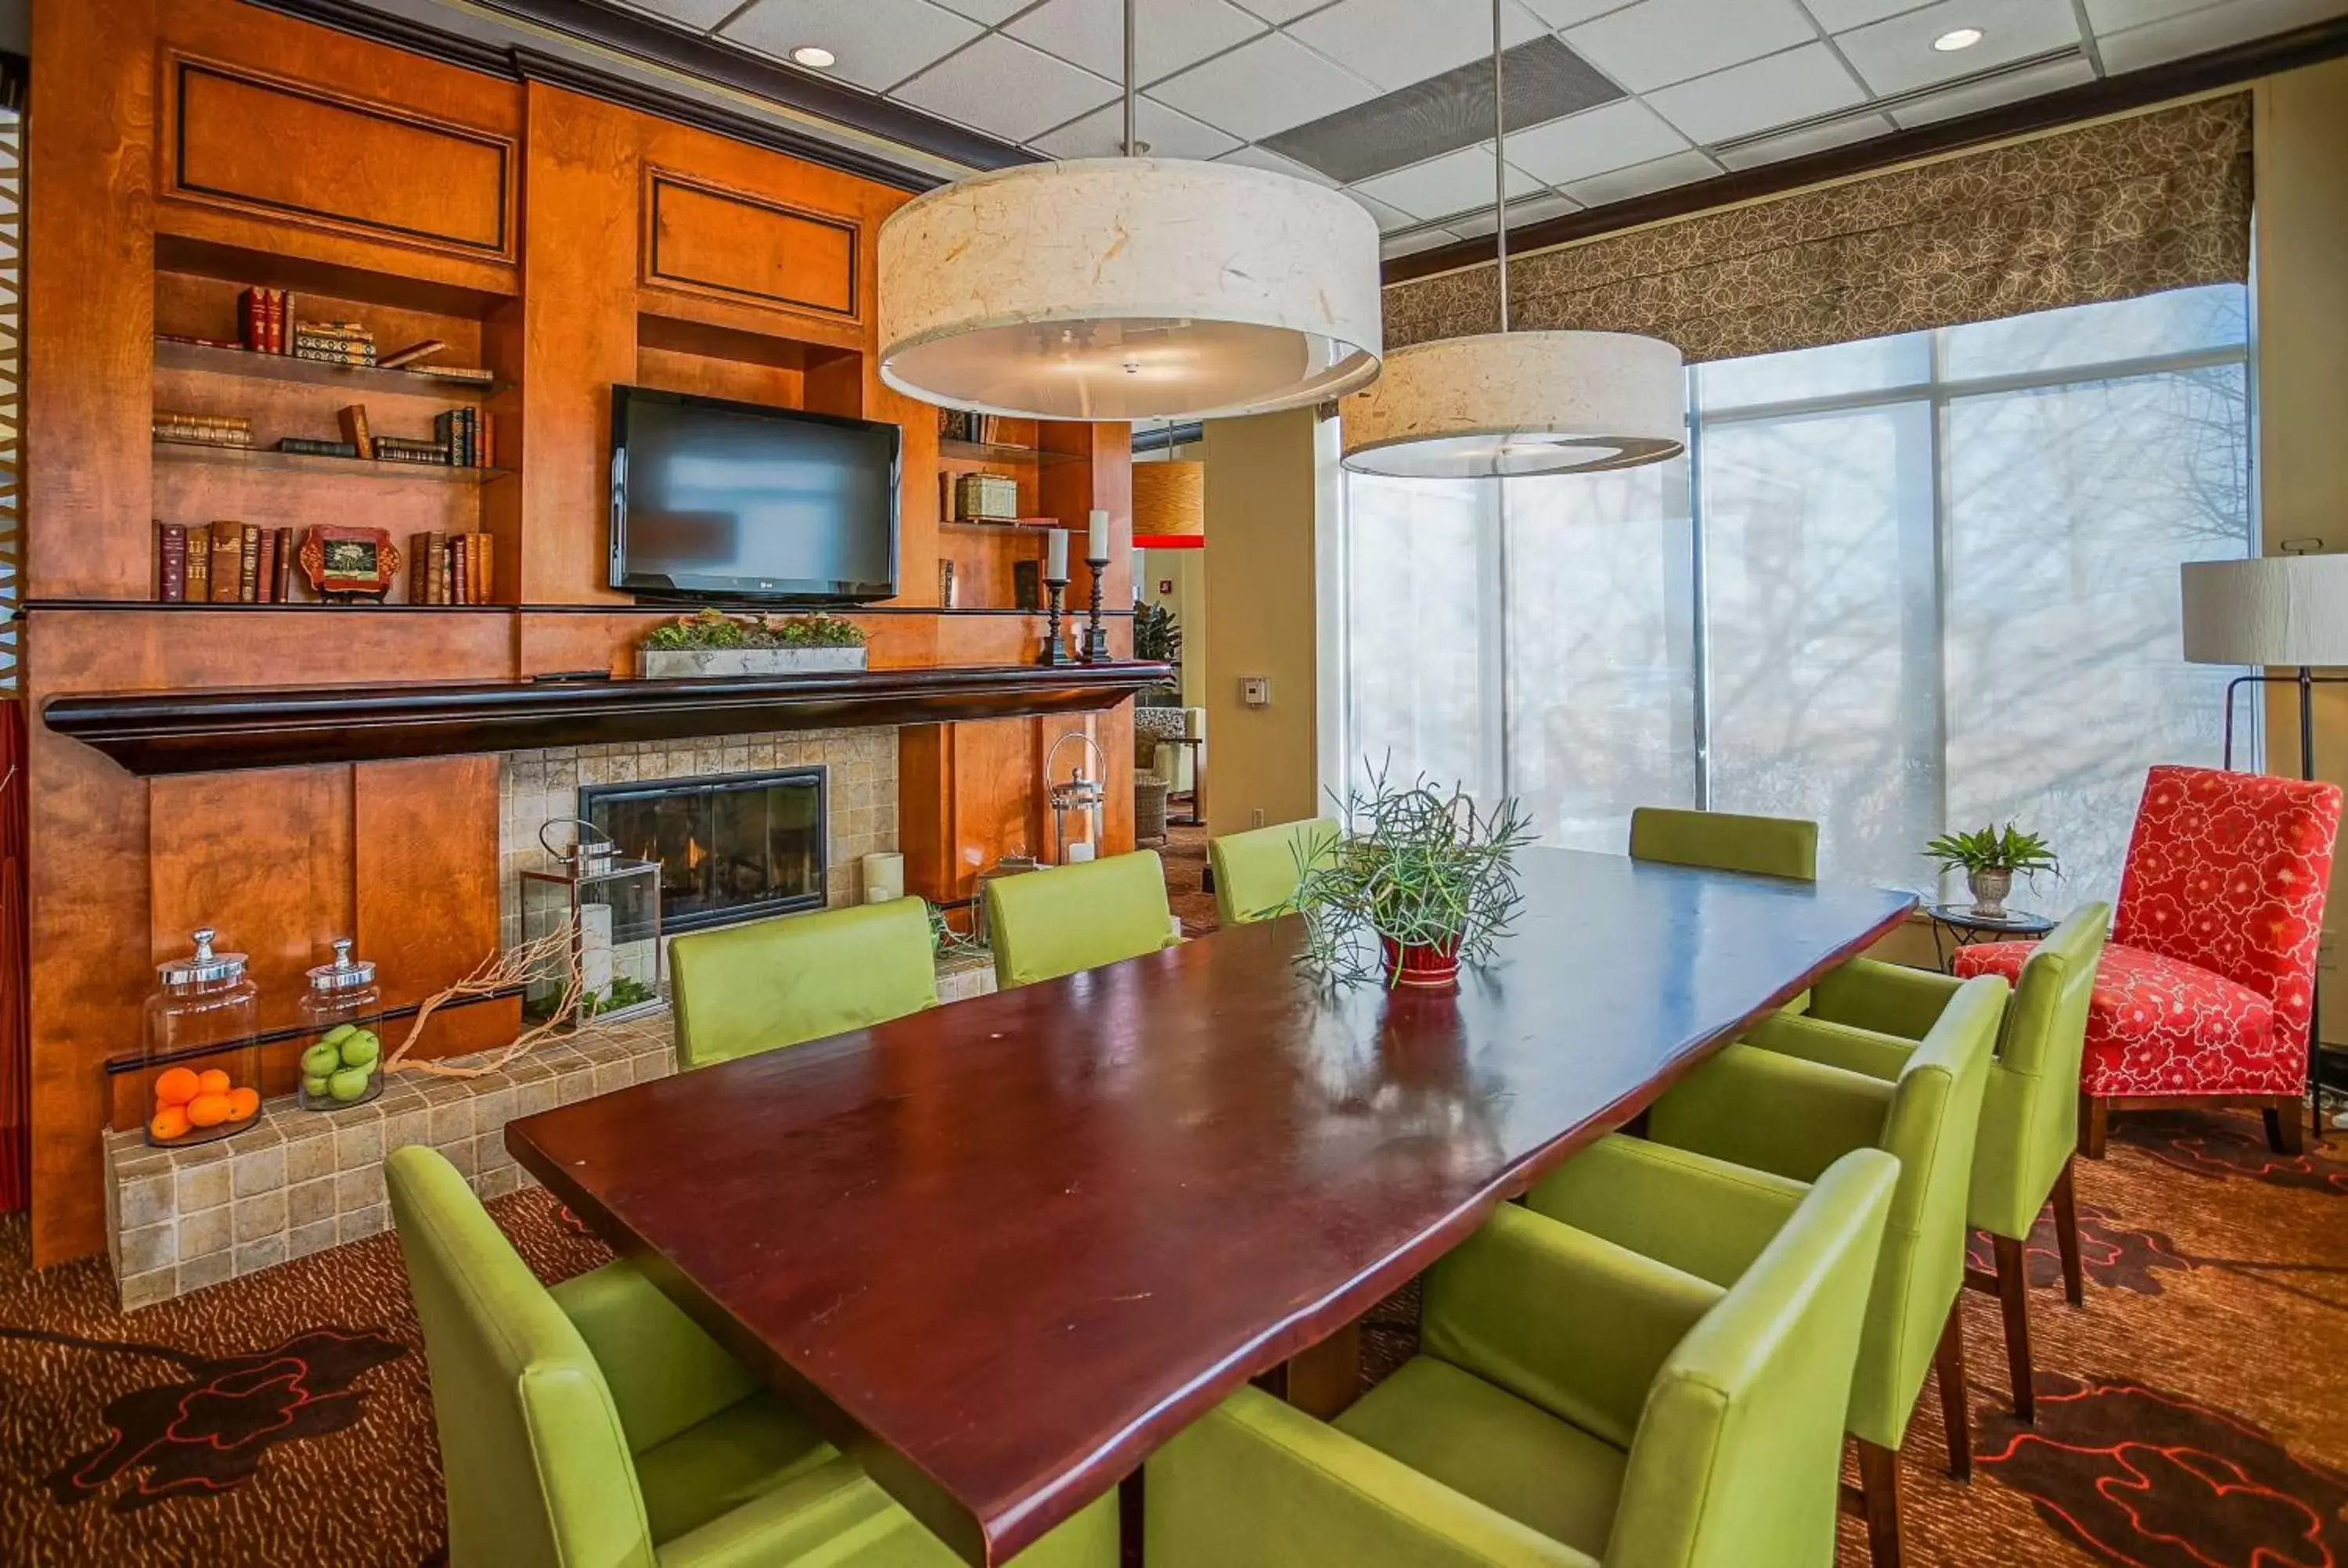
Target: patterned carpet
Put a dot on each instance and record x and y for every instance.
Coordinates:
(2192, 1416)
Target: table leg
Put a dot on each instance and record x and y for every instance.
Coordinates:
(1326, 1379)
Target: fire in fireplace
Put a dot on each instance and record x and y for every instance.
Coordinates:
(729, 849)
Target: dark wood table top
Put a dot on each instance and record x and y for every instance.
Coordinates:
(1004, 1249)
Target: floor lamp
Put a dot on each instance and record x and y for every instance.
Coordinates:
(2285, 615)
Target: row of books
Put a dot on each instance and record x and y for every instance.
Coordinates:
(961, 425)
(227, 563)
(450, 568)
(460, 438)
(465, 435)
(202, 429)
(334, 342)
(262, 319)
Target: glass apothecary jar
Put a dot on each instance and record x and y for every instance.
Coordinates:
(202, 1067)
(611, 905)
(342, 1033)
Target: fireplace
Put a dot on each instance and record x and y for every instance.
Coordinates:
(730, 848)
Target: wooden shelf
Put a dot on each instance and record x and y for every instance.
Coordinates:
(999, 452)
(1023, 525)
(156, 732)
(315, 373)
(310, 463)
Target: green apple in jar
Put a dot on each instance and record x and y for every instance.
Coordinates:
(360, 1049)
(315, 1085)
(349, 1083)
(321, 1059)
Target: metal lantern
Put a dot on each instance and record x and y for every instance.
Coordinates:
(611, 906)
(1077, 801)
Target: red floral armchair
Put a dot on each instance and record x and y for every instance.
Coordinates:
(2206, 992)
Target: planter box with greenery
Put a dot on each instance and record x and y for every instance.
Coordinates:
(709, 642)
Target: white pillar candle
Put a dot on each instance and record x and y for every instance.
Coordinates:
(1055, 556)
(1140, 574)
(595, 947)
(1097, 536)
(1080, 851)
(885, 878)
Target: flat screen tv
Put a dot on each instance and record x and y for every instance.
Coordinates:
(712, 499)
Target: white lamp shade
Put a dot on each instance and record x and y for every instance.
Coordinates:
(1507, 405)
(2281, 610)
(1128, 287)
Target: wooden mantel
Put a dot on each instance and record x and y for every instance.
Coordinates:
(156, 732)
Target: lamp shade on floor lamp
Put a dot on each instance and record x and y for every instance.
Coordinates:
(2282, 609)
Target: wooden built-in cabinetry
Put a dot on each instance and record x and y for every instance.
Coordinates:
(187, 148)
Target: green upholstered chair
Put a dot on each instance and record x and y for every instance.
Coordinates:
(1870, 1014)
(748, 988)
(1046, 924)
(1257, 871)
(1575, 1403)
(594, 1423)
(1784, 1101)
(1722, 841)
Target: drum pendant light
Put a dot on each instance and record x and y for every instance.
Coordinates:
(1506, 405)
(1128, 287)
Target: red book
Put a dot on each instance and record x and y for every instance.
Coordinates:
(264, 571)
(284, 566)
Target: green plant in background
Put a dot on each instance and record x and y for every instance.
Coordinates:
(626, 992)
(715, 629)
(944, 938)
(1994, 849)
(1421, 868)
(1158, 639)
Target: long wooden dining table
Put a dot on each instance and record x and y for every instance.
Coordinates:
(1002, 1249)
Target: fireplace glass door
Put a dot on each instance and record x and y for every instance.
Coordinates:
(729, 849)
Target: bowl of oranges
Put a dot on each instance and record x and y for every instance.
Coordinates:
(192, 1107)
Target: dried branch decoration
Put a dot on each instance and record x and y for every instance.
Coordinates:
(503, 972)
(1420, 869)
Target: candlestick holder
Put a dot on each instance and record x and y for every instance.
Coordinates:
(1056, 648)
(1096, 640)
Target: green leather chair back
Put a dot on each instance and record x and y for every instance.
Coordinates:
(1932, 1127)
(2030, 1121)
(538, 1470)
(1257, 871)
(748, 988)
(1736, 1461)
(1766, 846)
(1054, 922)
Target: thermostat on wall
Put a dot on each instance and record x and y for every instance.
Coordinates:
(1255, 692)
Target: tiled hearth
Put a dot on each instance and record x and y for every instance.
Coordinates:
(297, 1181)
(535, 788)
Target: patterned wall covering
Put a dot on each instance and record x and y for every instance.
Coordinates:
(2159, 200)
(12, 396)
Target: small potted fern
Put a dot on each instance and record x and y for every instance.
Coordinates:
(709, 642)
(1424, 883)
(1989, 856)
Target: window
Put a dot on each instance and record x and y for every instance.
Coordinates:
(1897, 585)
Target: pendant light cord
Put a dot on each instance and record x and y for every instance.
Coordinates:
(1129, 149)
(1500, 158)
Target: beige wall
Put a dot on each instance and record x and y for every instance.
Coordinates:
(1187, 571)
(1261, 499)
(2301, 138)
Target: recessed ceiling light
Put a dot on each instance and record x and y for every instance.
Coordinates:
(1956, 38)
(822, 60)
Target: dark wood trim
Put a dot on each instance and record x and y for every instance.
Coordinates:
(711, 61)
(154, 732)
(649, 607)
(2307, 45)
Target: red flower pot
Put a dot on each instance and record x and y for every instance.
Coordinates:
(1422, 966)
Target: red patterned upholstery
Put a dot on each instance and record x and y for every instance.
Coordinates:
(2206, 985)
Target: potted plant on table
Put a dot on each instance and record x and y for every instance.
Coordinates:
(711, 642)
(1424, 883)
(1989, 856)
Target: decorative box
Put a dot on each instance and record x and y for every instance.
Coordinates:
(987, 499)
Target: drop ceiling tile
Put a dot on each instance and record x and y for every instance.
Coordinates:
(1571, 13)
(990, 12)
(1168, 133)
(2007, 87)
(1003, 88)
(1612, 136)
(1531, 210)
(2118, 16)
(698, 14)
(1395, 43)
(1809, 138)
(1658, 42)
(1444, 187)
(1388, 217)
(1642, 179)
(1278, 11)
(1169, 34)
(1411, 243)
(1256, 157)
(1897, 56)
(2237, 21)
(879, 42)
(1775, 90)
(1840, 15)
(1263, 87)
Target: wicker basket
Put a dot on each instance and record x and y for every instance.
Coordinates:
(1149, 793)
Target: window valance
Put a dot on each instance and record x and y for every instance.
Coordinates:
(2158, 201)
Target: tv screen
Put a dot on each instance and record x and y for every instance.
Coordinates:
(712, 500)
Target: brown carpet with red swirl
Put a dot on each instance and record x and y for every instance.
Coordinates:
(2194, 1415)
